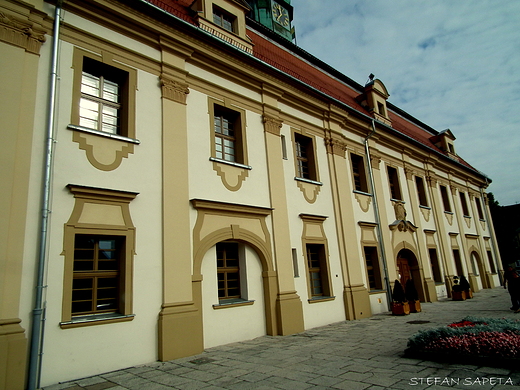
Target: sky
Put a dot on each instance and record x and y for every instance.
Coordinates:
(449, 63)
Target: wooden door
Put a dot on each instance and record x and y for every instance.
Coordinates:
(404, 270)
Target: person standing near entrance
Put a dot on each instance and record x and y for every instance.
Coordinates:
(512, 283)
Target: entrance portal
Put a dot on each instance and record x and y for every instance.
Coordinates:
(408, 268)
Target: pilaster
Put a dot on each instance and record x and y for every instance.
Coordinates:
(180, 319)
(22, 35)
(289, 308)
(444, 240)
(355, 292)
(424, 262)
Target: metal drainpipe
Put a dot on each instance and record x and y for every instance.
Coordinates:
(491, 236)
(378, 218)
(36, 342)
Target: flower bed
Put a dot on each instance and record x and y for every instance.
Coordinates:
(473, 340)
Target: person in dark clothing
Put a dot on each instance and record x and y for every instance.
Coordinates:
(512, 282)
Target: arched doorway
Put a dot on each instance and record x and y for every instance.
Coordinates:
(478, 271)
(233, 299)
(408, 268)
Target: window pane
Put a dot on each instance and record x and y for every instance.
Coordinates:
(81, 307)
(218, 124)
(89, 113)
(108, 265)
(227, 25)
(90, 84)
(227, 127)
(83, 265)
(111, 91)
(106, 305)
(82, 283)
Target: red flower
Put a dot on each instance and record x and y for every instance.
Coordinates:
(503, 344)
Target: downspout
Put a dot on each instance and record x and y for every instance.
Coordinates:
(377, 217)
(36, 342)
(492, 236)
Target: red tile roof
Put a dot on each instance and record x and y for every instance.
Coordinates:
(179, 8)
(302, 70)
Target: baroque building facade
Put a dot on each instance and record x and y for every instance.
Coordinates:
(177, 175)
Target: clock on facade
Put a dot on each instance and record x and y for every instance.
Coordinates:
(281, 15)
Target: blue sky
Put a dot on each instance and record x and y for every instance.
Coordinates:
(450, 63)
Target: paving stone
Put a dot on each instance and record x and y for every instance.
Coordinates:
(170, 380)
(325, 381)
(101, 386)
(380, 380)
(254, 377)
(63, 386)
(200, 375)
(350, 385)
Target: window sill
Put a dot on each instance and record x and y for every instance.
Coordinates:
(424, 207)
(397, 200)
(361, 193)
(96, 319)
(448, 212)
(321, 299)
(103, 134)
(235, 164)
(377, 291)
(233, 303)
(318, 183)
(467, 216)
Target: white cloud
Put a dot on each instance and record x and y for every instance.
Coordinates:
(451, 64)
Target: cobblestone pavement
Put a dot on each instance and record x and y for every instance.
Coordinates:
(352, 355)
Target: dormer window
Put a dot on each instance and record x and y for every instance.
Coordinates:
(451, 148)
(373, 99)
(224, 19)
(381, 108)
(445, 141)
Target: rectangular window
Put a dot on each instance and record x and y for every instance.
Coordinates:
(445, 199)
(479, 208)
(228, 134)
(458, 262)
(101, 102)
(317, 267)
(381, 108)
(434, 261)
(284, 147)
(104, 93)
(305, 164)
(373, 270)
(491, 262)
(295, 263)
(98, 258)
(358, 173)
(464, 203)
(228, 271)
(393, 179)
(224, 19)
(96, 284)
(421, 191)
